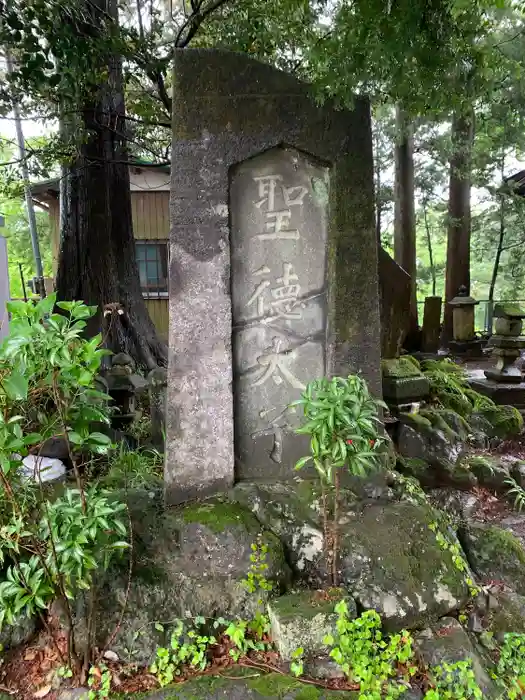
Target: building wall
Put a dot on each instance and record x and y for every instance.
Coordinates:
(150, 211)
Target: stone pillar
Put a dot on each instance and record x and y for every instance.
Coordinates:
(507, 343)
(431, 324)
(4, 289)
(273, 278)
(157, 384)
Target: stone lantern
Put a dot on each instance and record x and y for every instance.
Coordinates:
(507, 343)
(463, 324)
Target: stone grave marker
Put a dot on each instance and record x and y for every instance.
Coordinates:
(4, 289)
(273, 278)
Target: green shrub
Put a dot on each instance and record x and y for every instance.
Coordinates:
(51, 548)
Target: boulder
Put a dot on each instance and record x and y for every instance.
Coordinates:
(506, 613)
(389, 558)
(503, 422)
(272, 685)
(447, 641)
(302, 620)
(494, 554)
(459, 505)
(431, 454)
(188, 561)
(12, 636)
(490, 471)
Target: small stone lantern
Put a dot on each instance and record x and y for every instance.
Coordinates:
(507, 343)
(463, 316)
(463, 325)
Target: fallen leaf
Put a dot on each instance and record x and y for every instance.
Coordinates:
(44, 690)
(30, 655)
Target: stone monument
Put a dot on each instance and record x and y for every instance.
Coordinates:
(4, 289)
(273, 278)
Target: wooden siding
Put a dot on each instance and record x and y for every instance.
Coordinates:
(150, 215)
(150, 212)
(159, 312)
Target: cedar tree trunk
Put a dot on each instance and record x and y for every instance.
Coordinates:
(97, 262)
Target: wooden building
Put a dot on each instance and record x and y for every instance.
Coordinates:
(150, 192)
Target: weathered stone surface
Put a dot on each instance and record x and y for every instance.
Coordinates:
(491, 472)
(507, 613)
(431, 331)
(188, 561)
(407, 578)
(394, 286)
(302, 620)
(266, 686)
(21, 632)
(231, 109)
(447, 641)
(460, 505)
(433, 453)
(495, 554)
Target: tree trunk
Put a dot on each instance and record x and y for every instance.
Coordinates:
(458, 242)
(97, 260)
(405, 216)
(377, 174)
(430, 250)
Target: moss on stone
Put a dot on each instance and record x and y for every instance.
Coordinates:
(506, 421)
(218, 515)
(308, 603)
(495, 554)
(401, 367)
(418, 421)
(438, 422)
(277, 686)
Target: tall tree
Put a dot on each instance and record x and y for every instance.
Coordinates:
(459, 215)
(97, 257)
(405, 216)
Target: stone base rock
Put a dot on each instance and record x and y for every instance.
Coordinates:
(495, 555)
(266, 686)
(302, 620)
(21, 632)
(389, 558)
(447, 641)
(189, 561)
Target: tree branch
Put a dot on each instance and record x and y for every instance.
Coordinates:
(192, 25)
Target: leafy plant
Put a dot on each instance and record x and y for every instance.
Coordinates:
(99, 682)
(342, 419)
(516, 492)
(454, 681)
(449, 544)
(187, 647)
(133, 469)
(511, 665)
(367, 658)
(449, 387)
(51, 548)
(297, 663)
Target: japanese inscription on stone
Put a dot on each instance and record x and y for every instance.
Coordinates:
(278, 204)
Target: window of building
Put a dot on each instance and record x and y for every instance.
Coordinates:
(152, 259)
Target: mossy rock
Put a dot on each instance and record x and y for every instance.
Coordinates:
(188, 561)
(304, 619)
(506, 421)
(508, 613)
(389, 558)
(490, 472)
(400, 368)
(274, 686)
(495, 554)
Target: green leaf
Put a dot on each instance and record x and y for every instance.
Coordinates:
(15, 386)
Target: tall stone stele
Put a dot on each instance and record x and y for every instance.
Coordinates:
(273, 278)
